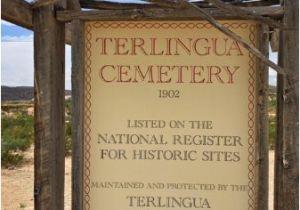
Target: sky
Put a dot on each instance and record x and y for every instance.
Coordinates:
(17, 57)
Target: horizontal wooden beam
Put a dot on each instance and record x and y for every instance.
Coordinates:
(40, 3)
(154, 14)
(18, 12)
(94, 4)
(103, 4)
(257, 3)
(244, 4)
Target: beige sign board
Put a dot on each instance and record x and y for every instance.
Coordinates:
(169, 116)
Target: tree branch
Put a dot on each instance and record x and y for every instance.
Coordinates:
(245, 12)
(205, 15)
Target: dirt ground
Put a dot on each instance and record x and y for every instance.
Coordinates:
(17, 184)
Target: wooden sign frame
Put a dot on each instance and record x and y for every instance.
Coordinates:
(257, 118)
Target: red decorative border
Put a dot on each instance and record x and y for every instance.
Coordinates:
(87, 117)
(251, 120)
(167, 25)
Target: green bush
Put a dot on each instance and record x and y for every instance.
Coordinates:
(272, 103)
(272, 131)
(18, 132)
(68, 127)
(68, 108)
(16, 136)
(68, 138)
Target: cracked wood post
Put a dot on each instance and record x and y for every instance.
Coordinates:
(286, 194)
(49, 92)
(262, 125)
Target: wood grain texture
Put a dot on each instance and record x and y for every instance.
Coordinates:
(158, 13)
(262, 122)
(73, 5)
(257, 3)
(40, 3)
(49, 96)
(287, 147)
(278, 166)
(78, 51)
(18, 12)
(104, 4)
(96, 4)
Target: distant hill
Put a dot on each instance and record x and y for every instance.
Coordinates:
(26, 93)
(19, 93)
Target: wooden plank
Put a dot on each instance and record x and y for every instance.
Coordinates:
(49, 93)
(77, 109)
(278, 167)
(278, 170)
(18, 12)
(103, 4)
(262, 125)
(163, 14)
(96, 4)
(242, 12)
(287, 146)
(246, 3)
(40, 3)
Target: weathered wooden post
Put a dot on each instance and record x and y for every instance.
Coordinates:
(49, 63)
(262, 125)
(77, 87)
(287, 146)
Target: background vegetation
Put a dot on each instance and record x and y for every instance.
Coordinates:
(17, 135)
(272, 117)
(17, 131)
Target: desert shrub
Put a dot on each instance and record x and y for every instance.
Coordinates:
(16, 136)
(68, 126)
(272, 103)
(272, 131)
(68, 108)
(68, 138)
